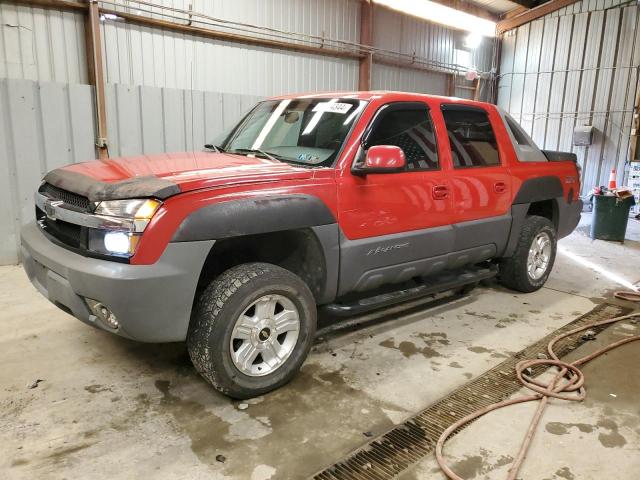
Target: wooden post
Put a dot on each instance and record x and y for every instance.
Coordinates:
(366, 39)
(96, 74)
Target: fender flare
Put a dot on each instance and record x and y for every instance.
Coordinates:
(250, 216)
(538, 189)
(532, 190)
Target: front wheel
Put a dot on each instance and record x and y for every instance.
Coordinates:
(251, 330)
(528, 269)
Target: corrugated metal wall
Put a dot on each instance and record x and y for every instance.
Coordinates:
(386, 77)
(411, 36)
(136, 55)
(42, 126)
(40, 44)
(424, 40)
(576, 66)
(60, 123)
(154, 120)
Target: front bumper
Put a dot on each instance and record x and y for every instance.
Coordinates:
(151, 302)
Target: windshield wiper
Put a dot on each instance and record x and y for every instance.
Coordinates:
(270, 156)
(215, 148)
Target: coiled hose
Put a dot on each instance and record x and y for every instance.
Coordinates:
(573, 381)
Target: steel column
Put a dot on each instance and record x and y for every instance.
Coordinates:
(366, 39)
(96, 74)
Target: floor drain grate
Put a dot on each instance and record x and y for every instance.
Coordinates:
(406, 444)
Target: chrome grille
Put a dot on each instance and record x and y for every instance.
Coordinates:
(65, 196)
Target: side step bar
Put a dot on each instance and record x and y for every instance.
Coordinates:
(430, 286)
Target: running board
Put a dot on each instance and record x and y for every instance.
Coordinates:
(430, 286)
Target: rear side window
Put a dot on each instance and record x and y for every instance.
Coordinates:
(473, 142)
(409, 127)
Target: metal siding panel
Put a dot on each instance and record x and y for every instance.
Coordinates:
(152, 115)
(9, 217)
(174, 120)
(128, 120)
(519, 67)
(597, 164)
(506, 69)
(570, 104)
(82, 122)
(22, 104)
(587, 93)
(633, 81)
(616, 151)
(547, 57)
(531, 78)
(56, 135)
(558, 82)
(41, 44)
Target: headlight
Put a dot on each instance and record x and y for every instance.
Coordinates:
(124, 222)
(136, 209)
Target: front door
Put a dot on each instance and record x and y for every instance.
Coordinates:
(395, 226)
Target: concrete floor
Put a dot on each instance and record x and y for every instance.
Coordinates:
(108, 407)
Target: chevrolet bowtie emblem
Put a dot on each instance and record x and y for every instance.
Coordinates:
(50, 208)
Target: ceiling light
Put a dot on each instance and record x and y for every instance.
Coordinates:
(473, 41)
(442, 14)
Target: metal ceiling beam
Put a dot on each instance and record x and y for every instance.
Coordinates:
(525, 3)
(533, 14)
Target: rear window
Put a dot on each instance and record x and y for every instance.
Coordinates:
(473, 142)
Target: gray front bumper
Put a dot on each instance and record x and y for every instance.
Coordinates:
(151, 302)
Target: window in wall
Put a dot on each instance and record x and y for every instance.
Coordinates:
(473, 142)
(410, 128)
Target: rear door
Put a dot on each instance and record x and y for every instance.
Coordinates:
(480, 180)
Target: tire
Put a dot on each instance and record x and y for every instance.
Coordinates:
(231, 320)
(514, 271)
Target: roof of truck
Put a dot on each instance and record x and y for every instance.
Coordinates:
(369, 95)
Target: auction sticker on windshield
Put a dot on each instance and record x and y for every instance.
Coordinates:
(331, 107)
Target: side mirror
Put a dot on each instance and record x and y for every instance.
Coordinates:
(383, 159)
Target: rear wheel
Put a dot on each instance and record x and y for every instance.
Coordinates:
(528, 269)
(252, 329)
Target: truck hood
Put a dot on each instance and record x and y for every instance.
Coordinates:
(168, 174)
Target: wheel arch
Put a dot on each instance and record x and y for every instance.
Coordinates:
(294, 231)
(541, 196)
(310, 253)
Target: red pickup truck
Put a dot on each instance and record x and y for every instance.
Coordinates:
(348, 201)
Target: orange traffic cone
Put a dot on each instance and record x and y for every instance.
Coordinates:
(612, 179)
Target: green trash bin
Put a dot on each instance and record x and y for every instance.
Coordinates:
(610, 216)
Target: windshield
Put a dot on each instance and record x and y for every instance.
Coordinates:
(307, 131)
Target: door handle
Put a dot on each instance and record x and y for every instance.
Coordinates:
(500, 187)
(440, 192)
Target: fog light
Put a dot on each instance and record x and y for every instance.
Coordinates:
(103, 313)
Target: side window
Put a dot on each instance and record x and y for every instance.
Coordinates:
(473, 142)
(409, 127)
